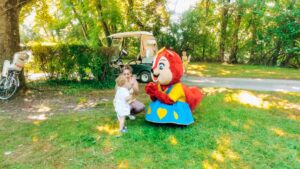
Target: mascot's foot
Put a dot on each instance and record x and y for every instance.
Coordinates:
(170, 123)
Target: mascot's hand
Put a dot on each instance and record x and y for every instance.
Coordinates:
(163, 97)
(151, 88)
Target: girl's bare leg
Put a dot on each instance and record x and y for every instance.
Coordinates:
(122, 122)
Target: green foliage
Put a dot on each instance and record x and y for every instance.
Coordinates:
(267, 32)
(100, 64)
(256, 32)
(74, 62)
(89, 21)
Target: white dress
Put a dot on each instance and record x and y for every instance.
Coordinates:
(121, 106)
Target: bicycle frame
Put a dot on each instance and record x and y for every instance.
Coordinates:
(11, 75)
(9, 82)
(9, 85)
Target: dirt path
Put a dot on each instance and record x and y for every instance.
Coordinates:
(38, 105)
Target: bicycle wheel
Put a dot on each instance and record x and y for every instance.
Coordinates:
(8, 87)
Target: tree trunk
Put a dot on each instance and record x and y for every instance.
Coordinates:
(234, 48)
(82, 24)
(224, 22)
(9, 31)
(203, 48)
(275, 54)
(253, 57)
(290, 55)
(103, 23)
(207, 4)
(255, 24)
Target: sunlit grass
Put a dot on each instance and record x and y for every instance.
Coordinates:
(232, 129)
(246, 71)
(267, 101)
(108, 129)
(248, 98)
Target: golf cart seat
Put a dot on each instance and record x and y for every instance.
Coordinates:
(148, 60)
(142, 64)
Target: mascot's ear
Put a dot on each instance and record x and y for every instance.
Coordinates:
(172, 53)
(160, 50)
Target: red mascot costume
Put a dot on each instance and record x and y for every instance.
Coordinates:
(172, 102)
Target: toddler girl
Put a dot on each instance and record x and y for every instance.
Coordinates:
(121, 102)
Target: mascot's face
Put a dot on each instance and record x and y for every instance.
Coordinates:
(162, 72)
(167, 68)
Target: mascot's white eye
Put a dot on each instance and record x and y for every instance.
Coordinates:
(161, 66)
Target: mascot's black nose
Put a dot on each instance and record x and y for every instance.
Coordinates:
(152, 71)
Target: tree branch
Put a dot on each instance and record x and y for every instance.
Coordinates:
(24, 1)
(20, 4)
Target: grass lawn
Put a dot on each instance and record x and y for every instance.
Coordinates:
(242, 71)
(68, 128)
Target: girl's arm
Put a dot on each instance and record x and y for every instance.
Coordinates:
(135, 85)
(129, 99)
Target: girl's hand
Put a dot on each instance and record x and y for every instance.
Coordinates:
(134, 84)
(128, 85)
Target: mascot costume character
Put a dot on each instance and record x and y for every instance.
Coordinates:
(172, 102)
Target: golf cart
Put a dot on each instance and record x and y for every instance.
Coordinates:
(141, 65)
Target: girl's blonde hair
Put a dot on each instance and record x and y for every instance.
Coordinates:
(127, 67)
(120, 81)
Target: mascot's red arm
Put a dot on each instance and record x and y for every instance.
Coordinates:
(192, 94)
(152, 90)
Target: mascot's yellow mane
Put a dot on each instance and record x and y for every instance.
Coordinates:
(160, 50)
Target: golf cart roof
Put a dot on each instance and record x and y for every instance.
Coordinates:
(131, 34)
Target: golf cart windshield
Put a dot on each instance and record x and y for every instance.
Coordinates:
(117, 46)
(148, 46)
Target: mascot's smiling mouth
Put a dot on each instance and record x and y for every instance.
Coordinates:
(155, 77)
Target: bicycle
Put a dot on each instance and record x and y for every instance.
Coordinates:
(9, 81)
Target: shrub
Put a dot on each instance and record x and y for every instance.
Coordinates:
(100, 64)
(74, 62)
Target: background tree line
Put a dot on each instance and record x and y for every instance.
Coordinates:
(240, 31)
(265, 32)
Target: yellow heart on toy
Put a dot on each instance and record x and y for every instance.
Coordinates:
(161, 113)
(149, 111)
(175, 115)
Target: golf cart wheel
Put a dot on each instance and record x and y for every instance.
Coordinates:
(145, 77)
